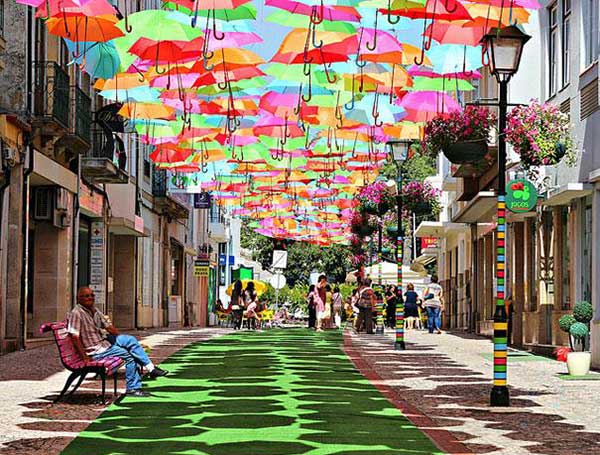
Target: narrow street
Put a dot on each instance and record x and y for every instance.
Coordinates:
(293, 391)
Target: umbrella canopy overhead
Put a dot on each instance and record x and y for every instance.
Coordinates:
(282, 120)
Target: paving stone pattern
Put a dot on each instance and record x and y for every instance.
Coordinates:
(447, 379)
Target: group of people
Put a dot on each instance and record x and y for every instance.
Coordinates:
(363, 302)
(324, 305)
(245, 304)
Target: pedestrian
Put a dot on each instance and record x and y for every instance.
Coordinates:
(391, 300)
(433, 303)
(312, 308)
(89, 330)
(327, 315)
(411, 309)
(320, 301)
(249, 298)
(365, 303)
(237, 304)
(336, 301)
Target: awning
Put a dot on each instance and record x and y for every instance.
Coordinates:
(480, 209)
(439, 229)
(426, 258)
(566, 193)
(125, 226)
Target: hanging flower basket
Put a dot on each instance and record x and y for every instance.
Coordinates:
(421, 208)
(462, 136)
(541, 135)
(375, 199)
(362, 230)
(420, 198)
(466, 152)
(392, 231)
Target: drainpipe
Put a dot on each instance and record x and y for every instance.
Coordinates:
(76, 213)
(25, 261)
(138, 212)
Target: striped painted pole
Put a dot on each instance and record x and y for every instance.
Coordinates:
(499, 395)
(399, 345)
(379, 308)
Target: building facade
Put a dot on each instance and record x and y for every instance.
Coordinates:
(80, 201)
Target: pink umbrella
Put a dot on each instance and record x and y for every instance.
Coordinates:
(424, 106)
(424, 72)
(452, 33)
(330, 13)
(385, 42)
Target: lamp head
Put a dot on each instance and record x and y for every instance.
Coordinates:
(398, 149)
(504, 48)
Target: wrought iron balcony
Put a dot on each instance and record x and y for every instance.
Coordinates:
(51, 96)
(81, 111)
(168, 204)
(98, 163)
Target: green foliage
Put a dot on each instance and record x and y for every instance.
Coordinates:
(583, 312)
(579, 331)
(418, 168)
(566, 321)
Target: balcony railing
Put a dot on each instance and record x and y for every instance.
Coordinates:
(159, 183)
(81, 109)
(102, 146)
(51, 93)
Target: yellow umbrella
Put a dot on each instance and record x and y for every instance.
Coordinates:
(259, 287)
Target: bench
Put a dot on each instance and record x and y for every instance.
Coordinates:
(78, 367)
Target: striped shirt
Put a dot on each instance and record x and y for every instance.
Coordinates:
(90, 328)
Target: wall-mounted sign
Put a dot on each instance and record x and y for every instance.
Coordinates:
(109, 117)
(223, 257)
(279, 259)
(202, 200)
(201, 267)
(521, 196)
(429, 242)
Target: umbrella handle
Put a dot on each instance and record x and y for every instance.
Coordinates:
(314, 42)
(374, 45)
(510, 14)
(128, 27)
(389, 14)
(314, 16)
(327, 75)
(351, 102)
(298, 105)
(451, 10)
(214, 28)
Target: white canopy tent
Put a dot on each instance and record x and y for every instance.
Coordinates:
(389, 275)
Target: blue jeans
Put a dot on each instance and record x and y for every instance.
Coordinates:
(127, 348)
(434, 321)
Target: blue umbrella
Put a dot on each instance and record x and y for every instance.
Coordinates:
(99, 60)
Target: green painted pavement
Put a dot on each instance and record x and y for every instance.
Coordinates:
(279, 392)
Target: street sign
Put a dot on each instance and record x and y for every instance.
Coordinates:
(521, 196)
(222, 259)
(278, 281)
(201, 267)
(279, 259)
(202, 200)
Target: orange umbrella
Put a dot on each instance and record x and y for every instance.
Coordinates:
(78, 28)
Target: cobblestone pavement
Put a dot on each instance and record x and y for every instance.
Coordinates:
(443, 382)
(31, 424)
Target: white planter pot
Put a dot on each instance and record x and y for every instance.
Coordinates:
(579, 363)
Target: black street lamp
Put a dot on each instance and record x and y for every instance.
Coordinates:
(504, 49)
(398, 150)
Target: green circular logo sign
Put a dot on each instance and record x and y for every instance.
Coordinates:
(521, 196)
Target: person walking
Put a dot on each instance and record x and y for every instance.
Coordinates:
(312, 307)
(249, 297)
(365, 303)
(411, 309)
(336, 301)
(433, 303)
(237, 304)
(321, 289)
(390, 308)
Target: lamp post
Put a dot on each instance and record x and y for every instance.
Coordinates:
(504, 48)
(398, 150)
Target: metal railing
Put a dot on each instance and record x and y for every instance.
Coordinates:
(51, 92)
(81, 110)
(159, 182)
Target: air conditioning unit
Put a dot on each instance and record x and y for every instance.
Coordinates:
(43, 206)
(61, 219)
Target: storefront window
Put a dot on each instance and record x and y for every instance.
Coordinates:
(83, 271)
(176, 255)
(586, 257)
(565, 255)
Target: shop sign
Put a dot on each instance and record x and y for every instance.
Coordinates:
(97, 264)
(222, 258)
(202, 200)
(201, 267)
(521, 196)
(429, 242)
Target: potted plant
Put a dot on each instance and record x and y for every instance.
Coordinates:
(420, 198)
(577, 325)
(540, 134)
(375, 198)
(461, 135)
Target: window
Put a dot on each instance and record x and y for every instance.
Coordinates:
(553, 49)
(566, 41)
(586, 257)
(147, 163)
(589, 14)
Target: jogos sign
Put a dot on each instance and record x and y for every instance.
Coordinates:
(521, 196)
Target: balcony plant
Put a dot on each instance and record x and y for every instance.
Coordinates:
(461, 135)
(375, 198)
(577, 325)
(420, 198)
(540, 134)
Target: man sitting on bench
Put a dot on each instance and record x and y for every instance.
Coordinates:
(91, 331)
